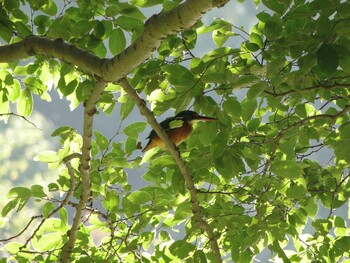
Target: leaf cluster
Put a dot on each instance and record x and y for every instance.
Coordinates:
(276, 156)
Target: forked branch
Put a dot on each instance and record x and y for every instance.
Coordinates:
(84, 168)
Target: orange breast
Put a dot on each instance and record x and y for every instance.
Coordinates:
(179, 135)
(176, 135)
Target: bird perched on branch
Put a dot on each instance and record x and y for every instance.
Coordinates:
(178, 129)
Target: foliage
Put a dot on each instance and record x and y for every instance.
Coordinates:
(262, 172)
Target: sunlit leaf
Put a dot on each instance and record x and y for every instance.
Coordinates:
(287, 169)
(139, 197)
(25, 103)
(47, 157)
(48, 241)
(134, 129)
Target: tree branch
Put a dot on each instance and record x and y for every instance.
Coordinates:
(21, 116)
(65, 201)
(201, 223)
(23, 230)
(84, 168)
(156, 29)
(111, 70)
(34, 45)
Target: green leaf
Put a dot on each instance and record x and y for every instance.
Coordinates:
(256, 39)
(233, 108)
(111, 202)
(256, 90)
(273, 27)
(134, 129)
(139, 197)
(6, 28)
(48, 242)
(84, 90)
(248, 108)
(197, 65)
(130, 145)
(181, 249)
(322, 225)
(275, 5)
(217, 24)
(8, 207)
(64, 130)
(15, 91)
(341, 245)
(220, 37)
(47, 208)
(117, 41)
(297, 191)
(13, 247)
(253, 124)
(68, 88)
(287, 148)
(176, 124)
(127, 107)
(179, 75)
(38, 191)
(25, 103)
(305, 110)
(163, 161)
(82, 27)
(146, 3)
(132, 11)
(22, 29)
(250, 153)
(311, 208)
(287, 169)
(146, 239)
(47, 157)
(34, 84)
(50, 8)
(19, 192)
(199, 257)
(128, 23)
(64, 220)
(327, 59)
(20, 196)
(324, 26)
(99, 29)
(252, 47)
(101, 140)
(120, 162)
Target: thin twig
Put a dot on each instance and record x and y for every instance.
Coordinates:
(64, 202)
(22, 231)
(21, 116)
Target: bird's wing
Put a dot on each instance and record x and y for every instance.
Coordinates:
(165, 125)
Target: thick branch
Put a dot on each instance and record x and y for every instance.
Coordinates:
(34, 45)
(181, 164)
(156, 28)
(84, 168)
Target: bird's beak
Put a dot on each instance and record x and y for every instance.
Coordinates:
(203, 118)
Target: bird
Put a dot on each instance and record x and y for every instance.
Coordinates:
(178, 128)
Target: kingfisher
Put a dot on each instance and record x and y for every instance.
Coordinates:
(178, 129)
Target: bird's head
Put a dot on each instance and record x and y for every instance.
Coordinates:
(192, 117)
